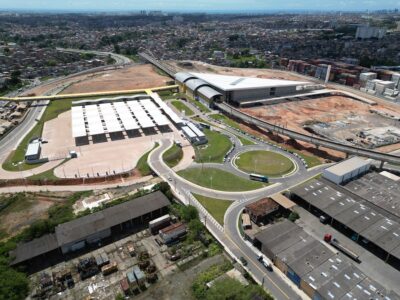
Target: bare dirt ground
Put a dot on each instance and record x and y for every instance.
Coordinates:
(35, 207)
(293, 115)
(260, 73)
(135, 77)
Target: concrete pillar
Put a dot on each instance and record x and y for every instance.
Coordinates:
(381, 165)
(347, 155)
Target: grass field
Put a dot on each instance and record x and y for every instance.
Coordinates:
(182, 107)
(173, 156)
(142, 164)
(226, 120)
(199, 105)
(52, 111)
(216, 207)
(216, 148)
(265, 163)
(219, 180)
(244, 141)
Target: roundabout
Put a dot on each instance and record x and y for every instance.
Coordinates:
(263, 162)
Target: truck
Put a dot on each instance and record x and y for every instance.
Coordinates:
(159, 223)
(265, 261)
(335, 243)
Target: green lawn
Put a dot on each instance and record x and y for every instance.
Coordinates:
(173, 156)
(219, 180)
(52, 111)
(182, 107)
(226, 120)
(265, 163)
(216, 207)
(311, 160)
(216, 148)
(142, 164)
(244, 141)
(199, 105)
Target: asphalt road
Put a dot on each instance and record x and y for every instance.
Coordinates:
(229, 235)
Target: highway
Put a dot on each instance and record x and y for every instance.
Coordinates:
(383, 157)
(119, 59)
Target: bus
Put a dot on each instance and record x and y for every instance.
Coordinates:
(259, 177)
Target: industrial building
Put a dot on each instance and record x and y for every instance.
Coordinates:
(347, 170)
(90, 230)
(363, 219)
(313, 267)
(237, 90)
(262, 210)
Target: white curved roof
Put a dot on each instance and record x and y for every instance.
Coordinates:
(231, 83)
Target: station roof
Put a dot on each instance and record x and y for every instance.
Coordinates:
(231, 83)
(183, 76)
(208, 92)
(194, 84)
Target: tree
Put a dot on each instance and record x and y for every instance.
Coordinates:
(14, 285)
(294, 215)
(189, 213)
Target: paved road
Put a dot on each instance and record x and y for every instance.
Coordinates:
(119, 59)
(229, 235)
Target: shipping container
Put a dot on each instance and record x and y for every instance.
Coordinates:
(159, 223)
(110, 268)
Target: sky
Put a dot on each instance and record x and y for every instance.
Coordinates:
(199, 5)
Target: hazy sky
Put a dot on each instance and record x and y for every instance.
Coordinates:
(199, 5)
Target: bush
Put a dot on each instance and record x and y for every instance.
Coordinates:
(294, 215)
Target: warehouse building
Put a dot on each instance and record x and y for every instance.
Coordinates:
(314, 268)
(365, 222)
(347, 170)
(235, 89)
(89, 230)
(194, 134)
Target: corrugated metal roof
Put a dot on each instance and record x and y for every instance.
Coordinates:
(183, 76)
(208, 92)
(194, 84)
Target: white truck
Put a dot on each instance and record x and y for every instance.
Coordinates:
(266, 262)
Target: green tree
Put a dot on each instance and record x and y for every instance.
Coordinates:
(189, 213)
(294, 215)
(14, 285)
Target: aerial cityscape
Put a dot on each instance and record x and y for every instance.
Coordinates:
(230, 150)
